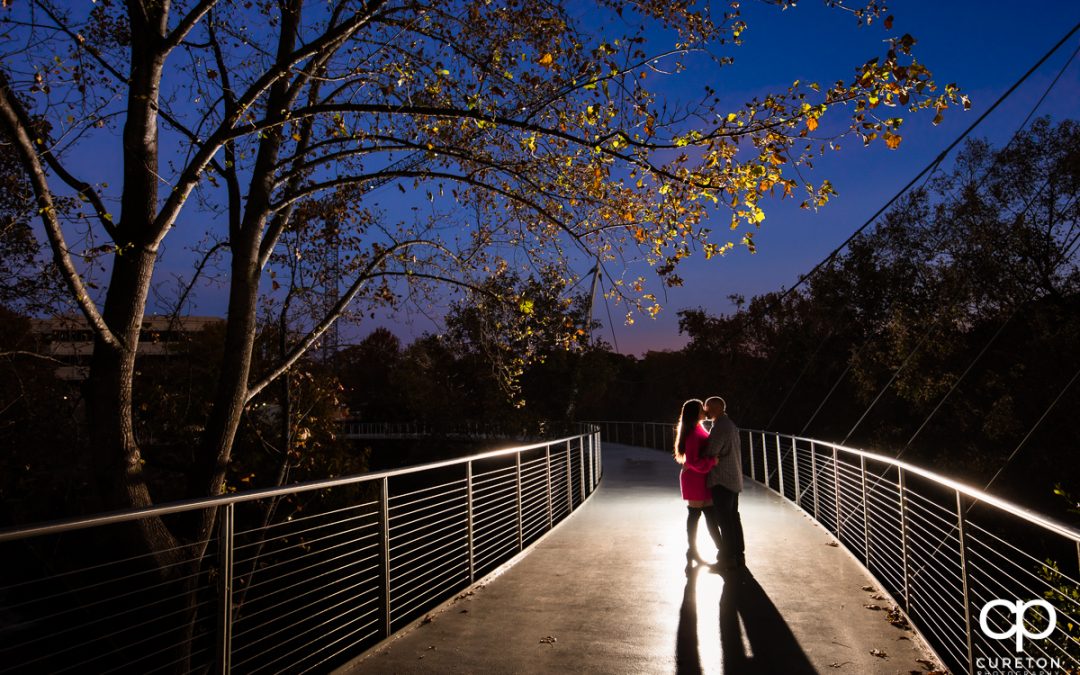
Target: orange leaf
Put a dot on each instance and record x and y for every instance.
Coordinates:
(811, 123)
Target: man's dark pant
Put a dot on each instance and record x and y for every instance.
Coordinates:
(726, 503)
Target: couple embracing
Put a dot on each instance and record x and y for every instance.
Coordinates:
(711, 480)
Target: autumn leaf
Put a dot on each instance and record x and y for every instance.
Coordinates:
(547, 60)
(811, 123)
(892, 141)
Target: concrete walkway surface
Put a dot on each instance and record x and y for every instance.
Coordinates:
(605, 592)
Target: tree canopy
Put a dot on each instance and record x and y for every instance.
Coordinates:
(523, 135)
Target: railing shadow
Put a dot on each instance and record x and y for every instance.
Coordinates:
(773, 647)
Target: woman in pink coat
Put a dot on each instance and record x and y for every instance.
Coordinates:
(690, 440)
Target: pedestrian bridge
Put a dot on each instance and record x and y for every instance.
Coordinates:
(524, 560)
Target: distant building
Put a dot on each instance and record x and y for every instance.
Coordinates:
(70, 340)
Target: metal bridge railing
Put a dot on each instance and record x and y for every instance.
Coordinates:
(297, 578)
(951, 556)
(655, 435)
(357, 429)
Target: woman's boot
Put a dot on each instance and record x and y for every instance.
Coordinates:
(693, 515)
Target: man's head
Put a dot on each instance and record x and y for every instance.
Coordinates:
(715, 407)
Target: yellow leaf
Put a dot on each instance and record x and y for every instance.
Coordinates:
(892, 140)
(296, 137)
(811, 123)
(546, 60)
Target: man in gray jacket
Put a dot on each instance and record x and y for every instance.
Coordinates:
(725, 482)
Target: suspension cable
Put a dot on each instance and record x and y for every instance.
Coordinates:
(933, 164)
(1038, 422)
(1030, 114)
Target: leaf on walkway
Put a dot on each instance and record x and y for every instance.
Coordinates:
(839, 665)
(878, 653)
(549, 640)
(873, 607)
(868, 588)
(897, 618)
(877, 596)
(428, 619)
(832, 543)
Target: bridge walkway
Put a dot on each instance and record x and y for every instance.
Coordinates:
(606, 593)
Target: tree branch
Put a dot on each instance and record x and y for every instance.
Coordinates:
(11, 119)
(187, 24)
(43, 357)
(225, 132)
(336, 311)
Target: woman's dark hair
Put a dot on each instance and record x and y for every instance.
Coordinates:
(688, 418)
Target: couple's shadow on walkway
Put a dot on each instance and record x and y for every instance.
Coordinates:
(773, 647)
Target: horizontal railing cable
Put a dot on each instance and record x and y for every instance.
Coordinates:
(357, 559)
(942, 561)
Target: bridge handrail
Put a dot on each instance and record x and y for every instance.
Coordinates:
(70, 524)
(283, 583)
(976, 494)
(945, 567)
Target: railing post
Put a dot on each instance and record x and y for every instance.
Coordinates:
(581, 465)
(386, 552)
(765, 460)
(795, 467)
(547, 462)
(598, 444)
(520, 522)
(836, 488)
(961, 523)
(750, 441)
(225, 543)
(865, 510)
(813, 477)
(902, 485)
(569, 481)
(779, 465)
(469, 519)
